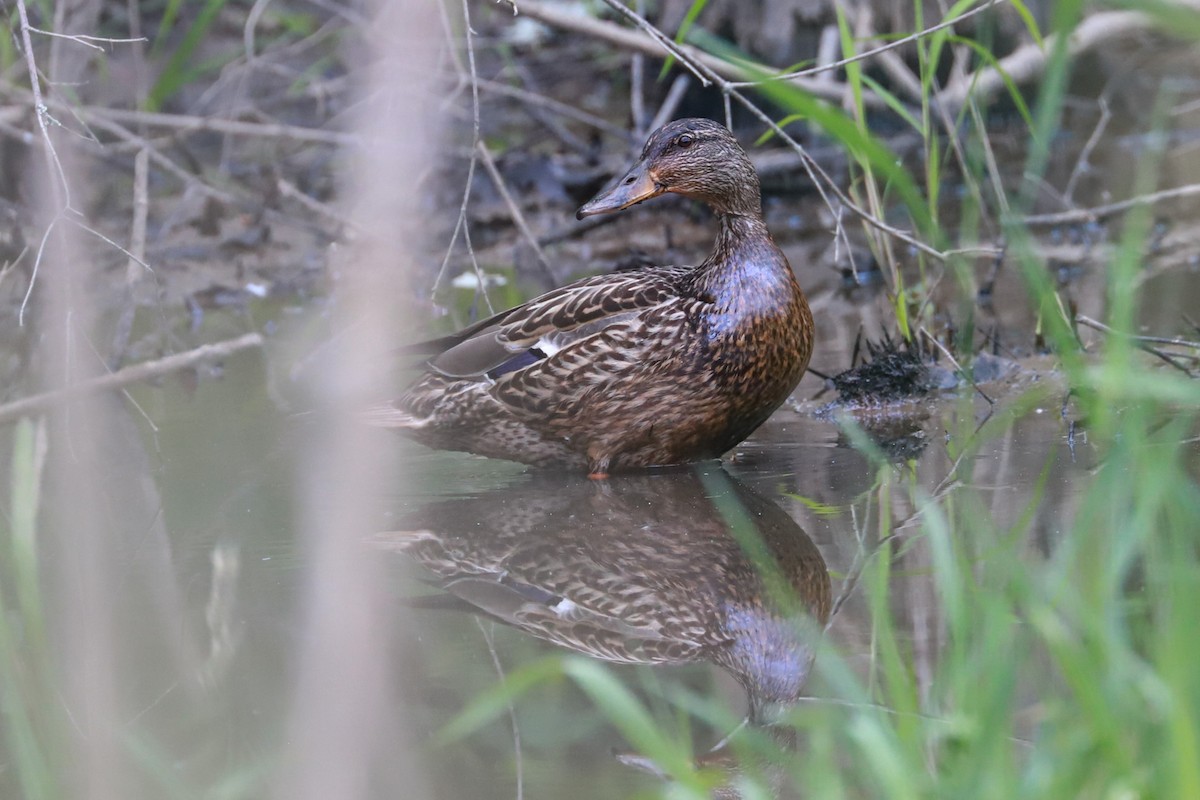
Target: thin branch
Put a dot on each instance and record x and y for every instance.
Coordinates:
(224, 126)
(1100, 212)
(1174, 341)
(129, 375)
(958, 367)
(550, 104)
(671, 102)
(461, 222)
(867, 54)
(514, 210)
(1144, 343)
(512, 711)
(637, 99)
(1081, 163)
(288, 189)
(88, 41)
(1027, 61)
(137, 248)
(132, 256)
(703, 65)
(58, 177)
(33, 274)
(191, 180)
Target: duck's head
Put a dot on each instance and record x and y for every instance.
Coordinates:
(696, 158)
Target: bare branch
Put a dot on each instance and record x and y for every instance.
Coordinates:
(513, 209)
(1027, 61)
(225, 126)
(691, 58)
(131, 374)
(1100, 212)
(867, 54)
(88, 41)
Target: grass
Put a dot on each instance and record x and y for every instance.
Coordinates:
(1068, 673)
(1064, 670)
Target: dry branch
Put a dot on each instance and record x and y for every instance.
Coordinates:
(225, 126)
(1100, 212)
(688, 56)
(130, 374)
(1029, 60)
(549, 103)
(890, 61)
(1147, 343)
(514, 210)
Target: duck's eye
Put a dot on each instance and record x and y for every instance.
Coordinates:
(685, 140)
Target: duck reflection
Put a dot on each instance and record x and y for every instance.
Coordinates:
(664, 568)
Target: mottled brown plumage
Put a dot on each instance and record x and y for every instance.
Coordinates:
(653, 366)
(640, 569)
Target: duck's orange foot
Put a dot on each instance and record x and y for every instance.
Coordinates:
(598, 464)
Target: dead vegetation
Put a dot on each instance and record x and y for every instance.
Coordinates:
(210, 146)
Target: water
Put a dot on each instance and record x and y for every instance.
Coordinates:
(204, 589)
(209, 588)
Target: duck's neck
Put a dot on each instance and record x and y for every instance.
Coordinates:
(746, 268)
(739, 228)
(743, 239)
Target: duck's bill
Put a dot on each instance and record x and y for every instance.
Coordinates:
(635, 187)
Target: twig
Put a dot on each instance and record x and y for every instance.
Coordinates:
(691, 58)
(862, 28)
(1081, 163)
(671, 102)
(958, 367)
(1145, 343)
(225, 126)
(1027, 61)
(514, 210)
(1100, 212)
(169, 166)
(288, 189)
(461, 222)
(58, 177)
(12, 265)
(637, 99)
(131, 374)
(87, 41)
(550, 123)
(550, 104)
(192, 181)
(107, 122)
(137, 249)
(866, 54)
(92, 231)
(1174, 341)
(512, 711)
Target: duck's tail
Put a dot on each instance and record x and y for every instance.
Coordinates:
(391, 415)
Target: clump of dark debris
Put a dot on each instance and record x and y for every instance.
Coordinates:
(890, 373)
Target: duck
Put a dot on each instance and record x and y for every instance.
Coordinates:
(646, 568)
(646, 367)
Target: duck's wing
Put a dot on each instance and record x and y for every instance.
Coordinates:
(582, 627)
(521, 336)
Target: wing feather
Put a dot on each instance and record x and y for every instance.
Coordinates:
(560, 317)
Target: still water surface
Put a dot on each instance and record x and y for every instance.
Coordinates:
(491, 567)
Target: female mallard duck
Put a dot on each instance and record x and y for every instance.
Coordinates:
(647, 571)
(645, 367)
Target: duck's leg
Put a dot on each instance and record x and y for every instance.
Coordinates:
(598, 468)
